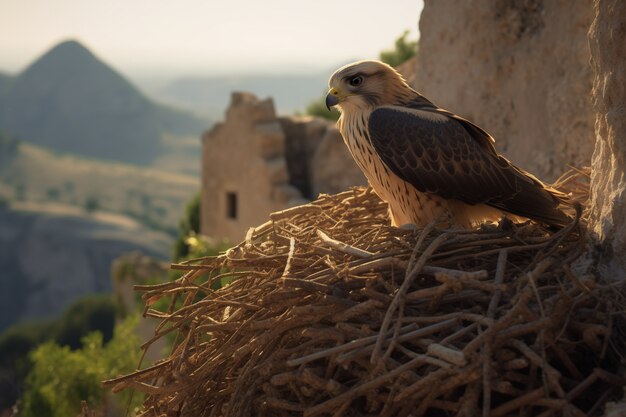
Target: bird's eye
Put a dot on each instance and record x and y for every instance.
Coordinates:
(356, 81)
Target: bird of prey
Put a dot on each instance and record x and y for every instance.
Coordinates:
(428, 163)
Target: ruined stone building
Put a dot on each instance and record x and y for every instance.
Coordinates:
(255, 163)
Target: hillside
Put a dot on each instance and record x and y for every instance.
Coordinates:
(52, 254)
(75, 216)
(70, 101)
(152, 196)
(5, 80)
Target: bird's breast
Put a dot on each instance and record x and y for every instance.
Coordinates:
(406, 203)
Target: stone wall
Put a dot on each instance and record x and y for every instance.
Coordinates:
(244, 171)
(302, 136)
(267, 163)
(607, 39)
(332, 168)
(519, 69)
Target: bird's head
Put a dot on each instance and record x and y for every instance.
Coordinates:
(364, 85)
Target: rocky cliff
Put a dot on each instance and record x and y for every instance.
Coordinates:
(607, 39)
(49, 257)
(519, 69)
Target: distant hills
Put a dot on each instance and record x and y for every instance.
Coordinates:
(68, 100)
(32, 174)
(5, 80)
(209, 96)
(64, 219)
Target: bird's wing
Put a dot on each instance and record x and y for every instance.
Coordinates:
(437, 154)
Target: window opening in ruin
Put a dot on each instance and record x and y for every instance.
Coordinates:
(231, 205)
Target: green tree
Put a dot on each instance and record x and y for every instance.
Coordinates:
(15, 343)
(85, 315)
(53, 193)
(61, 378)
(403, 51)
(189, 225)
(8, 144)
(92, 204)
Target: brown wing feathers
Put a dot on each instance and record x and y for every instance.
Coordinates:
(438, 155)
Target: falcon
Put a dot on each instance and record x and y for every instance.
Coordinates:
(428, 163)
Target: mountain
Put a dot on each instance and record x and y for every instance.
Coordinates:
(210, 95)
(5, 82)
(69, 100)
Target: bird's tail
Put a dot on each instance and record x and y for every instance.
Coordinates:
(544, 203)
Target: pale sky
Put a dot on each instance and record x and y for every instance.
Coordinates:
(206, 37)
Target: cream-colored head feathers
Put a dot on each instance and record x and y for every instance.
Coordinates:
(364, 84)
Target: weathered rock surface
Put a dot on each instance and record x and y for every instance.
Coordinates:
(519, 69)
(49, 259)
(607, 38)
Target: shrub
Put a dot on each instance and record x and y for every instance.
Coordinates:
(15, 343)
(189, 225)
(318, 108)
(8, 144)
(53, 193)
(61, 378)
(403, 51)
(85, 315)
(92, 204)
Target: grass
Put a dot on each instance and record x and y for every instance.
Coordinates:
(144, 193)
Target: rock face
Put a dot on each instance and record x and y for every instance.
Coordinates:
(519, 69)
(607, 38)
(50, 258)
(255, 163)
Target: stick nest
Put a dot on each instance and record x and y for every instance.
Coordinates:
(330, 311)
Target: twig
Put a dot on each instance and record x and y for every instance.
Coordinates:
(361, 389)
(343, 247)
(292, 248)
(517, 403)
(487, 347)
(403, 289)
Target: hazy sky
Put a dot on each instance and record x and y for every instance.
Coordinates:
(205, 36)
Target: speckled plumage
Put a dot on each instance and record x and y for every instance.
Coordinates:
(426, 162)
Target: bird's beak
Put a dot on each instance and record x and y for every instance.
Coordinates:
(332, 98)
